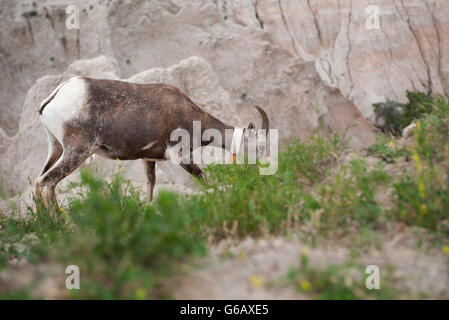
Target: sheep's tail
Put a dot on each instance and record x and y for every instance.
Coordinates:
(52, 95)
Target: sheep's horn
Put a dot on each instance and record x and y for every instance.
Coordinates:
(265, 121)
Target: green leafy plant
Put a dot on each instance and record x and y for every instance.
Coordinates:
(421, 196)
(392, 117)
(123, 246)
(386, 148)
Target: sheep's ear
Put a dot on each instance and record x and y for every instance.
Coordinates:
(251, 126)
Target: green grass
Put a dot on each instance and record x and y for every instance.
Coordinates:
(350, 196)
(123, 246)
(238, 201)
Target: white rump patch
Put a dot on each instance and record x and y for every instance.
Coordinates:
(54, 92)
(67, 104)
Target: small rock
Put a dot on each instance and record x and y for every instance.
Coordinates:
(408, 131)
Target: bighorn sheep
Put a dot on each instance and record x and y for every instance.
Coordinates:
(116, 120)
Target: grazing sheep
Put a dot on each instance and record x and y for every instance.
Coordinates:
(117, 120)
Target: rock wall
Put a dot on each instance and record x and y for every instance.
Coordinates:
(250, 44)
(409, 50)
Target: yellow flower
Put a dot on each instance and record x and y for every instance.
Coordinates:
(305, 251)
(241, 255)
(305, 285)
(391, 144)
(120, 169)
(418, 126)
(141, 294)
(255, 281)
(417, 159)
(422, 189)
(423, 209)
(446, 249)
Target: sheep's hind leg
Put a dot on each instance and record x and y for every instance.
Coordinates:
(150, 167)
(45, 185)
(54, 152)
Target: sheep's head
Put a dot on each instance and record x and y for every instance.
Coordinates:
(252, 140)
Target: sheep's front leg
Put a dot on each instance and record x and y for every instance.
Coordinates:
(150, 167)
(194, 170)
